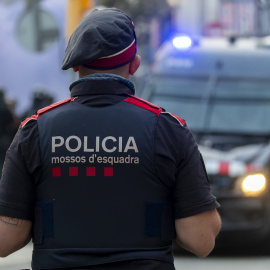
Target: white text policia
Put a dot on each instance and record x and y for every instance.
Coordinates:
(116, 144)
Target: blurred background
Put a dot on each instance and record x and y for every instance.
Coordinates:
(34, 34)
(207, 61)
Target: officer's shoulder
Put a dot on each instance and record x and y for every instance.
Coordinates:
(139, 102)
(155, 109)
(45, 110)
(174, 118)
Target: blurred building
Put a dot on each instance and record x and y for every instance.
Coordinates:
(33, 42)
(222, 17)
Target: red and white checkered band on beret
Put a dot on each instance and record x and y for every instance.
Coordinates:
(116, 60)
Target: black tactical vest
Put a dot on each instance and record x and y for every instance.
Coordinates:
(99, 200)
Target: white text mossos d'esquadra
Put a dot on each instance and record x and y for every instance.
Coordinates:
(116, 144)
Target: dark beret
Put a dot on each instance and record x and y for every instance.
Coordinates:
(104, 39)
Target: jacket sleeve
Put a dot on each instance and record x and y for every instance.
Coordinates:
(21, 164)
(179, 165)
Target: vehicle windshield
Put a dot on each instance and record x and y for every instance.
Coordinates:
(216, 105)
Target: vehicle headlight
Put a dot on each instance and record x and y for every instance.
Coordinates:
(253, 184)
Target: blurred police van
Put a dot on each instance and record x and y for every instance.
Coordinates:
(222, 89)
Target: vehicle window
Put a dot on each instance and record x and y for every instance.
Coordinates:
(240, 105)
(243, 88)
(167, 86)
(239, 117)
(237, 106)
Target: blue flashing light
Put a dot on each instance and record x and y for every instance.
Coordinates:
(182, 42)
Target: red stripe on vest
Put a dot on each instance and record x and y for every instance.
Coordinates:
(33, 117)
(144, 104)
(54, 106)
(46, 109)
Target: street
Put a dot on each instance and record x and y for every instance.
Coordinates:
(221, 261)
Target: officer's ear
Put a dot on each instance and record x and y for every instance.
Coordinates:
(134, 64)
(76, 69)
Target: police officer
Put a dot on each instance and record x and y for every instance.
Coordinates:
(105, 180)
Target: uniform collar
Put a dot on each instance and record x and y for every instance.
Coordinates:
(100, 84)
